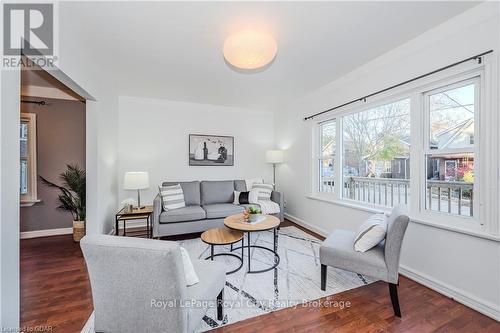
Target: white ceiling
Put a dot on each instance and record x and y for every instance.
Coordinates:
(173, 50)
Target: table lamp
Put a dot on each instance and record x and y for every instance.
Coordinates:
(136, 181)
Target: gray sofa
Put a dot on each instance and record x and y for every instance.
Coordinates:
(207, 204)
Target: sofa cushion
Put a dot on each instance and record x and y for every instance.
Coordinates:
(213, 192)
(216, 211)
(188, 213)
(191, 191)
(240, 185)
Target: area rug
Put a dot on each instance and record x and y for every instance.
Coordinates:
(295, 281)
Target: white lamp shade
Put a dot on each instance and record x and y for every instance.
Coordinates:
(275, 156)
(136, 181)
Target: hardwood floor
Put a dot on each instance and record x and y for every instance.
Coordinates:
(55, 289)
(55, 292)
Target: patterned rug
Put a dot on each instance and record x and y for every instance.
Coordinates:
(295, 281)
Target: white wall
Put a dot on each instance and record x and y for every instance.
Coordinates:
(84, 66)
(9, 198)
(459, 265)
(153, 137)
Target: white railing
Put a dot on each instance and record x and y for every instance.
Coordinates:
(443, 196)
(450, 196)
(380, 191)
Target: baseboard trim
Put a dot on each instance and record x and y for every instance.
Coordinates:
(306, 225)
(45, 233)
(487, 308)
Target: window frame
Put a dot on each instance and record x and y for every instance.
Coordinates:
(485, 221)
(470, 222)
(319, 157)
(31, 197)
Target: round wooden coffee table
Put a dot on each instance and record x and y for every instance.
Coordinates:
(223, 236)
(237, 222)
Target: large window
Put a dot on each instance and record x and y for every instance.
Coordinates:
(450, 148)
(424, 148)
(376, 154)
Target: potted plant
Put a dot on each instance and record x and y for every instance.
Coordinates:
(72, 197)
(252, 213)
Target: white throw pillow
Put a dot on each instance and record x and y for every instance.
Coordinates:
(253, 196)
(172, 197)
(265, 190)
(236, 200)
(371, 232)
(191, 276)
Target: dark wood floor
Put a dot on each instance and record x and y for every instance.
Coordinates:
(55, 291)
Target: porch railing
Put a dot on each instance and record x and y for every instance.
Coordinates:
(443, 196)
(381, 191)
(452, 197)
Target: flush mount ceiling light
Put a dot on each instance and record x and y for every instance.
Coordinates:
(249, 49)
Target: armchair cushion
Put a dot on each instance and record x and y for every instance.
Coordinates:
(338, 251)
(216, 211)
(184, 214)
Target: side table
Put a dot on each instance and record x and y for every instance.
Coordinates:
(125, 215)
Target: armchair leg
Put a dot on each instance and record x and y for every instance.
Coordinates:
(219, 305)
(323, 277)
(393, 290)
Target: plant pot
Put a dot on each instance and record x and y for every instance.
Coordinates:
(78, 230)
(253, 217)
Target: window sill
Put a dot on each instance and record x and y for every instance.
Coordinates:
(346, 203)
(29, 203)
(418, 220)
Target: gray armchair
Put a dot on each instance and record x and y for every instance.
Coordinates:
(381, 262)
(138, 285)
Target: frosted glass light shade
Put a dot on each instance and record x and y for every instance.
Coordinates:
(249, 49)
(136, 181)
(275, 156)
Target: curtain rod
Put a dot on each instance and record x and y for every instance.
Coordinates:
(477, 57)
(35, 102)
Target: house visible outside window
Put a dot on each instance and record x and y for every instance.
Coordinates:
(374, 141)
(451, 112)
(28, 169)
(326, 158)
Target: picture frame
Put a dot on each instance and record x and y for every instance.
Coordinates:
(211, 150)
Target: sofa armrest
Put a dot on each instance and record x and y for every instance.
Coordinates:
(278, 198)
(157, 210)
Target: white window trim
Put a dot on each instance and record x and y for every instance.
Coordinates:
(320, 157)
(487, 122)
(475, 223)
(30, 198)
